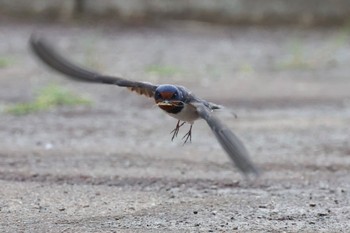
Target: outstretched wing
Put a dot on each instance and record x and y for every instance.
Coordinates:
(54, 60)
(228, 140)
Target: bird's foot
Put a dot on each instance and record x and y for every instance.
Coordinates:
(176, 130)
(188, 135)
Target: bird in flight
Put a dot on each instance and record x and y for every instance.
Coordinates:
(175, 100)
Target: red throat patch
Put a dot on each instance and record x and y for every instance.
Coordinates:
(166, 95)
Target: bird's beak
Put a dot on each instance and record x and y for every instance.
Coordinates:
(165, 103)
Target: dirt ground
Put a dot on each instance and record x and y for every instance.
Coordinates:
(111, 166)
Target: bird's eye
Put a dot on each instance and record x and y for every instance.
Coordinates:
(175, 95)
(158, 96)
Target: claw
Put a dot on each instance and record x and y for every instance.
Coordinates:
(176, 130)
(188, 135)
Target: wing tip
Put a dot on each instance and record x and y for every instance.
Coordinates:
(252, 173)
(38, 45)
(34, 40)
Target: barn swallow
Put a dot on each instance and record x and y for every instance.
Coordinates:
(175, 100)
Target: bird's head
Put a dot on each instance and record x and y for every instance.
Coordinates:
(169, 98)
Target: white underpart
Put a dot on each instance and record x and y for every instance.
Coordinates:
(188, 114)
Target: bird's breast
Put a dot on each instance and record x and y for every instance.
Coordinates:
(186, 113)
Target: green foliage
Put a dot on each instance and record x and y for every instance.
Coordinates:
(246, 68)
(297, 60)
(162, 70)
(47, 98)
(5, 62)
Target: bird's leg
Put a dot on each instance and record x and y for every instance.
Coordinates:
(188, 135)
(176, 130)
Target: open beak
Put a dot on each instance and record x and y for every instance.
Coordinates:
(165, 103)
(173, 103)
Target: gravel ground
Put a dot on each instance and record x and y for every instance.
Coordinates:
(111, 167)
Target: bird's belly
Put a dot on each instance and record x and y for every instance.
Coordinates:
(188, 114)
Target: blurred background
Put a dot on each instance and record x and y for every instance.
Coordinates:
(194, 40)
(275, 12)
(282, 66)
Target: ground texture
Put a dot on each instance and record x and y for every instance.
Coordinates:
(111, 167)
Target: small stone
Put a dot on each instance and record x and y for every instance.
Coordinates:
(195, 212)
(312, 204)
(322, 214)
(62, 209)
